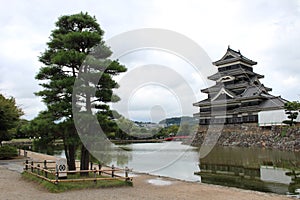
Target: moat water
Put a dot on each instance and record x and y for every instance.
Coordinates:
(248, 168)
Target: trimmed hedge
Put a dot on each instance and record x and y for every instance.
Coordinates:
(8, 152)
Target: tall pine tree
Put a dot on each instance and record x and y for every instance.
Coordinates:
(76, 44)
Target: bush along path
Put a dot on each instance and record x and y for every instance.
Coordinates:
(7, 152)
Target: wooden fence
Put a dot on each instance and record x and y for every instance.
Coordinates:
(49, 172)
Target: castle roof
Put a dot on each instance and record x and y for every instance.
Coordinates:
(234, 72)
(233, 56)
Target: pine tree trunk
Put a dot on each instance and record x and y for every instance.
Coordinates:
(84, 160)
(71, 162)
(85, 154)
(70, 156)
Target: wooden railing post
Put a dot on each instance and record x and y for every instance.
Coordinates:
(95, 175)
(45, 164)
(126, 173)
(112, 171)
(56, 174)
(31, 166)
(26, 165)
(56, 177)
(100, 166)
(38, 169)
(45, 167)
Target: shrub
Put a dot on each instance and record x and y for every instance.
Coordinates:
(8, 152)
(284, 131)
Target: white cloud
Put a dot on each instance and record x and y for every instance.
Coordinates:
(291, 80)
(265, 31)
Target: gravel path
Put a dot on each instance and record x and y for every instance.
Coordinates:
(13, 187)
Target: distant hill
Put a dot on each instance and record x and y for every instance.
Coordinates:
(178, 120)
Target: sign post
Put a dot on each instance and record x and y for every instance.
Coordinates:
(61, 168)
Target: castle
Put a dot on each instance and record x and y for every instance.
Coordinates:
(238, 96)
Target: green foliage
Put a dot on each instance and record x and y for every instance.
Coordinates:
(8, 152)
(108, 125)
(9, 117)
(76, 51)
(283, 131)
(185, 129)
(63, 187)
(43, 127)
(21, 130)
(126, 125)
(291, 109)
(178, 120)
(109, 122)
(135, 130)
(167, 131)
(179, 126)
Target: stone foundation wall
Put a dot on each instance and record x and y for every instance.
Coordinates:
(251, 135)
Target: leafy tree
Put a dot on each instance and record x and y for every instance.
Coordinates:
(43, 126)
(8, 152)
(126, 125)
(291, 109)
(187, 128)
(184, 129)
(167, 131)
(109, 126)
(21, 130)
(9, 117)
(172, 129)
(130, 130)
(76, 44)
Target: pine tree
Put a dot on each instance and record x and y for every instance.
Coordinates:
(76, 44)
(291, 109)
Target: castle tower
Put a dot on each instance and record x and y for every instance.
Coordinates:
(238, 92)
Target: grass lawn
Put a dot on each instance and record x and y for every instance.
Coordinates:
(66, 186)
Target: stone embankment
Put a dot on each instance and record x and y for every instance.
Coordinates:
(276, 137)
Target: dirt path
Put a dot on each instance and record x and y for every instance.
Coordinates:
(145, 187)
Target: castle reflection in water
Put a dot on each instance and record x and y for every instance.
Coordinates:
(255, 169)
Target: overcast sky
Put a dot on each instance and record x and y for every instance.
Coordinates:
(266, 31)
